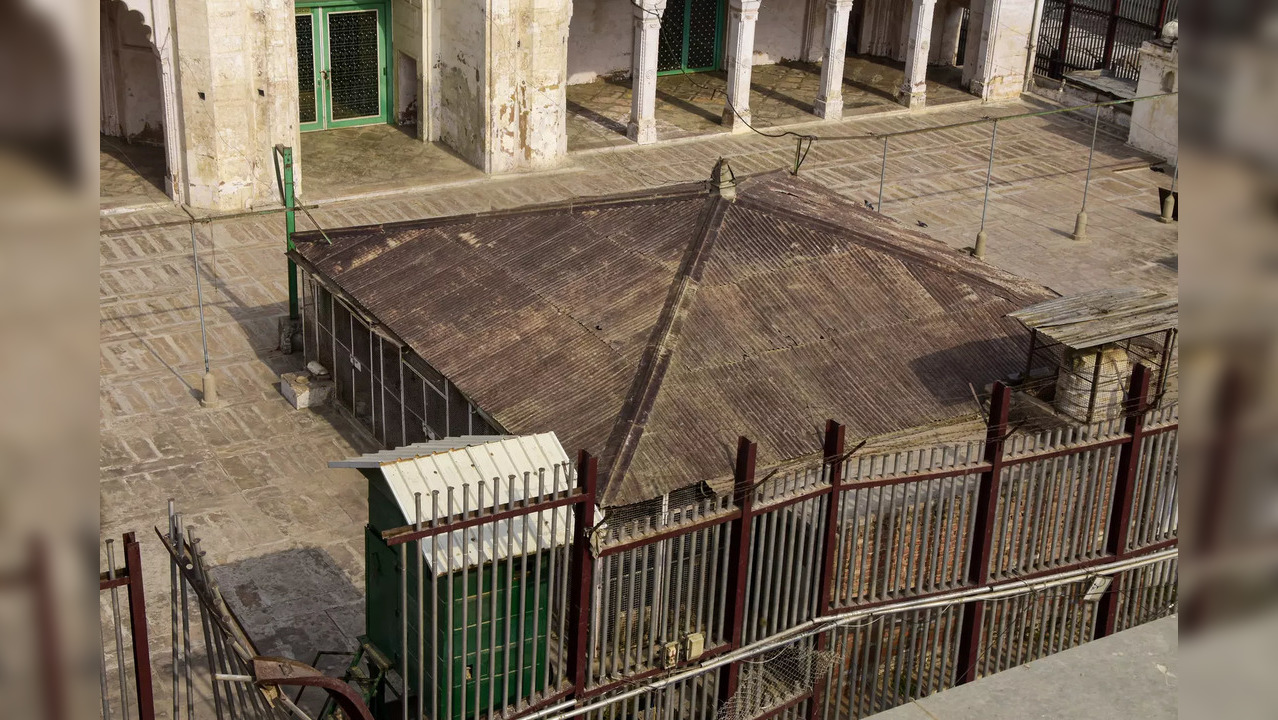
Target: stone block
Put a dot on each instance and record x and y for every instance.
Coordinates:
(305, 389)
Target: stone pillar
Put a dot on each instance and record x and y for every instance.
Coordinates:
(914, 89)
(1154, 122)
(744, 14)
(1005, 29)
(643, 71)
(829, 102)
(948, 51)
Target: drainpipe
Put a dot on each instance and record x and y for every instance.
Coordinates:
(1032, 47)
(290, 226)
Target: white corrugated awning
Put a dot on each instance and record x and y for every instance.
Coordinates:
(510, 467)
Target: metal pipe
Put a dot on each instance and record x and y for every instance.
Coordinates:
(119, 631)
(199, 297)
(186, 629)
(421, 615)
(882, 175)
(206, 626)
(173, 607)
(434, 609)
(989, 172)
(452, 628)
(290, 226)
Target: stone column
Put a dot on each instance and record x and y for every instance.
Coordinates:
(950, 35)
(829, 102)
(744, 14)
(643, 71)
(914, 89)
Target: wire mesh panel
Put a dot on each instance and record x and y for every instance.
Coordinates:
(308, 109)
(1026, 627)
(354, 63)
(891, 659)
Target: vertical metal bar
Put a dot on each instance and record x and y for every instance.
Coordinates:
(450, 601)
(290, 226)
(403, 627)
(1124, 488)
(119, 631)
(989, 172)
(206, 625)
(882, 175)
(523, 596)
(465, 606)
(582, 570)
(1091, 400)
(421, 614)
(186, 629)
(983, 532)
(199, 295)
(1110, 31)
(1090, 154)
(743, 490)
(832, 466)
(434, 608)
(173, 607)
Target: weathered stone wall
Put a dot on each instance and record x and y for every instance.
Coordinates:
(527, 81)
(600, 39)
(779, 33)
(1155, 123)
(999, 71)
(463, 77)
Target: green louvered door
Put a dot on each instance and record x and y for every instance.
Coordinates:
(342, 76)
(691, 36)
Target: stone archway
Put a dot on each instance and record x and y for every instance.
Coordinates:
(139, 88)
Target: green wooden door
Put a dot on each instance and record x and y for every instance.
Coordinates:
(342, 75)
(691, 36)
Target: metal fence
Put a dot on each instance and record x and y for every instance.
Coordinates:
(1098, 35)
(741, 605)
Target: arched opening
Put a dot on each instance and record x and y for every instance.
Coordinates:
(134, 163)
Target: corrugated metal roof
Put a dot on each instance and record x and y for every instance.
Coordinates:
(460, 464)
(1101, 317)
(655, 329)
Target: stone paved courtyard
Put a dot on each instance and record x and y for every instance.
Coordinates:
(781, 94)
(251, 476)
(129, 174)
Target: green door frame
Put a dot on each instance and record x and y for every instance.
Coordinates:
(319, 10)
(718, 39)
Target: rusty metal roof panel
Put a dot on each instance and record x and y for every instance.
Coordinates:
(1101, 317)
(807, 307)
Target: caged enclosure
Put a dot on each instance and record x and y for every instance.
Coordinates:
(500, 586)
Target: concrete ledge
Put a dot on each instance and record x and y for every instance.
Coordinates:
(1131, 674)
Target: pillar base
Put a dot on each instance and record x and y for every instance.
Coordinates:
(736, 122)
(913, 100)
(828, 108)
(1080, 226)
(643, 132)
(978, 250)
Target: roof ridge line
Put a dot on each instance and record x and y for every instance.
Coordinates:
(648, 378)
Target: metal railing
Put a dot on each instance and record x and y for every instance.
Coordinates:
(140, 703)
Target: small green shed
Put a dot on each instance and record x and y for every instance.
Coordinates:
(487, 589)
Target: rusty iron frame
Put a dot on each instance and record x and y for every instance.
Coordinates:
(130, 577)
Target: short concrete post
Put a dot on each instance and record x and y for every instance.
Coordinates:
(743, 16)
(914, 89)
(208, 395)
(643, 71)
(1169, 208)
(978, 251)
(829, 102)
(1080, 226)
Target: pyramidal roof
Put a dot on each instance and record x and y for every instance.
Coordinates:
(653, 329)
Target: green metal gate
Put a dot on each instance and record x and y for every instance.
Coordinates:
(691, 36)
(342, 76)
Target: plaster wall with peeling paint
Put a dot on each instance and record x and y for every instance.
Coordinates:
(1155, 123)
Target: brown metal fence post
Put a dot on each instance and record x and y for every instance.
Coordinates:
(833, 451)
(739, 552)
(1063, 49)
(137, 625)
(50, 652)
(982, 540)
(1120, 514)
(582, 576)
(1110, 31)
